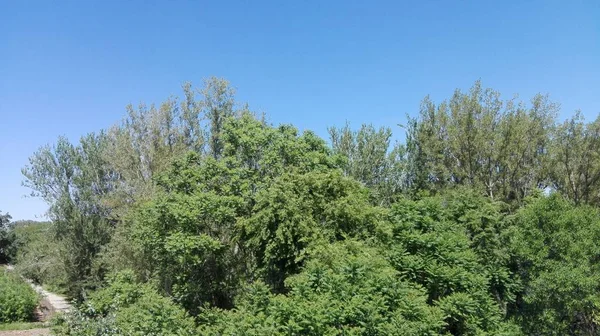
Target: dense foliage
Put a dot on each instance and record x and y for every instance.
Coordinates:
(17, 299)
(347, 288)
(126, 308)
(6, 239)
(556, 256)
(197, 217)
(37, 256)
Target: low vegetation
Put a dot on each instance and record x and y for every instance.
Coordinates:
(126, 308)
(17, 299)
(12, 326)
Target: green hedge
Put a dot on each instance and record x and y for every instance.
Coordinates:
(17, 299)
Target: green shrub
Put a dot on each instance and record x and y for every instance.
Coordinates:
(85, 322)
(125, 307)
(347, 288)
(17, 299)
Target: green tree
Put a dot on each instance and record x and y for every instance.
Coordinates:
(250, 214)
(476, 139)
(140, 147)
(6, 239)
(371, 159)
(150, 138)
(91, 186)
(575, 160)
(72, 179)
(454, 246)
(38, 255)
(217, 106)
(298, 210)
(556, 256)
(346, 288)
(17, 299)
(125, 307)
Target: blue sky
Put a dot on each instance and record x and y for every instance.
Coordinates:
(70, 67)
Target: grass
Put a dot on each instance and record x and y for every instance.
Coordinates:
(23, 325)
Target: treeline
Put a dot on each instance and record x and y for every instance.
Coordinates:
(198, 217)
(505, 149)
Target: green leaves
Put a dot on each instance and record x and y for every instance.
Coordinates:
(127, 308)
(6, 239)
(557, 259)
(370, 159)
(447, 245)
(298, 210)
(345, 289)
(73, 179)
(249, 214)
(476, 139)
(189, 249)
(17, 299)
(575, 160)
(257, 229)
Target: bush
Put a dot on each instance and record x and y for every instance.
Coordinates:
(17, 299)
(84, 322)
(347, 288)
(125, 307)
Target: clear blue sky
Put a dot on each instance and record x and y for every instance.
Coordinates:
(70, 67)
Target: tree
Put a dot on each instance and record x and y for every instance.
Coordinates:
(347, 288)
(259, 229)
(72, 180)
(6, 238)
(455, 247)
(143, 145)
(556, 257)
(371, 160)
(475, 139)
(575, 160)
(298, 210)
(217, 106)
(250, 214)
(150, 138)
(125, 307)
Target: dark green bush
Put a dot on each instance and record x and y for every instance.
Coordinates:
(17, 299)
(346, 288)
